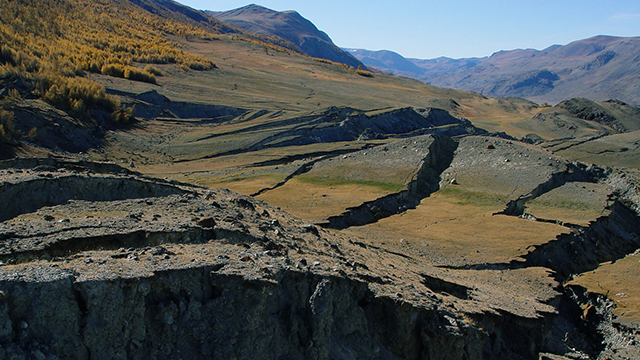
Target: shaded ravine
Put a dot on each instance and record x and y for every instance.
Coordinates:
(584, 248)
(575, 172)
(257, 146)
(229, 307)
(326, 154)
(305, 168)
(338, 125)
(609, 238)
(70, 245)
(426, 182)
(49, 192)
(295, 122)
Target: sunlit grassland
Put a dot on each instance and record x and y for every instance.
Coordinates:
(460, 226)
(390, 187)
(617, 280)
(315, 202)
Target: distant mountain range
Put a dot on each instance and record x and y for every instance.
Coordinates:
(598, 68)
(290, 26)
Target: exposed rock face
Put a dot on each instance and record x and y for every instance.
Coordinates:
(426, 181)
(337, 124)
(55, 129)
(171, 270)
(152, 104)
(346, 124)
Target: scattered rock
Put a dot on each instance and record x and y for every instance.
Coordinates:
(207, 222)
(246, 204)
(133, 257)
(45, 168)
(270, 245)
(38, 355)
(159, 250)
(311, 228)
(191, 295)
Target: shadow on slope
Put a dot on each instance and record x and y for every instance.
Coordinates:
(337, 124)
(151, 104)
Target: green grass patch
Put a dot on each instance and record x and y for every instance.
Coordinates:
(336, 181)
(477, 198)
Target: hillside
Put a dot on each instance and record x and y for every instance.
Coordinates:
(48, 52)
(601, 132)
(288, 25)
(276, 205)
(598, 68)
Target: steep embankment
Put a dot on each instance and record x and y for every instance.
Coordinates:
(201, 273)
(425, 182)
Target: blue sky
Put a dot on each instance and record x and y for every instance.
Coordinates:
(455, 28)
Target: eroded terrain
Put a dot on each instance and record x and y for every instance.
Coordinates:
(375, 217)
(441, 260)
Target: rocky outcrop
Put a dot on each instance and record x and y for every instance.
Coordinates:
(573, 172)
(425, 182)
(343, 124)
(152, 105)
(609, 238)
(197, 273)
(336, 124)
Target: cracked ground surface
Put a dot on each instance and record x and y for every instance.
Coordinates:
(189, 228)
(456, 249)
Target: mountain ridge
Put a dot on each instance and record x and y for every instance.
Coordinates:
(289, 25)
(598, 68)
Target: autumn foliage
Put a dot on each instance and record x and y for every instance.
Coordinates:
(52, 45)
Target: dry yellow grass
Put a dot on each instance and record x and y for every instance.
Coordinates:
(317, 202)
(460, 231)
(248, 79)
(577, 203)
(497, 115)
(243, 183)
(618, 281)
